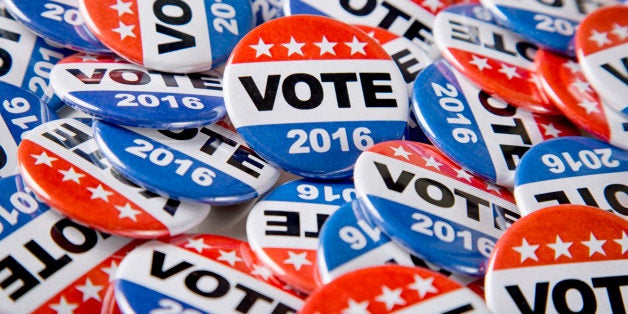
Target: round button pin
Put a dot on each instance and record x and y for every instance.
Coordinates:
(297, 91)
(392, 288)
(170, 36)
(61, 162)
(483, 134)
(491, 56)
(562, 259)
(197, 274)
(58, 21)
(579, 101)
(412, 19)
(431, 206)
(53, 263)
(210, 164)
(20, 112)
(283, 228)
(601, 48)
(112, 89)
(573, 170)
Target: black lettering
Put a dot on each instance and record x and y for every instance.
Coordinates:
(283, 309)
(559, 296)
(446, 200)
(18, 272)
(507, 111)
(398, 185)
(503, 217)
(171, 205)
(320, 220)
(391, 16)
(540, 298)
(518, 129)
(291, 224)
(370, 90)
(558, 196)
(157, 266)
(96, 158)
(366, 9)
(250, 297)
(340, 86)
(184, 18)
(612, 285)
(214, 141)
(552, 3)
(66, 140)
(185, 40)
(222, 284)
(463, 32)
(498, 40)
(58, 235)
(404, 66)
(610, 193)
(461, 309)
(266, 102)
(205, 81)
(243, 157)
(616, 73)
(96, 77)
(51, 264)
(141, 77)
(587, 197)
(169, 78)
(180, 135)
(9, 35)
(7, 62)
(3, 157)
(512, 154)
(290, 94)
(419, 31)
(473, 204)
(526, 50)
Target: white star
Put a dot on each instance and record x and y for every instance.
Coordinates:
(111, 270)
(423, 286)
(481, 63)
(432, 4)
(297, 260)
(623, 242)
(550, 130)
(589, 106)
(70, 174)
(43, 159)
(534, 79)
(582, 86)
(399, 151)
(127, 211)
(63, 307)
(599, 38)
(526, 250)
(262, 48)
(493, 187)
(461, 173)
(620, 31)
(574, 67)
(261, 271)
(372, 35)
(90, 291)
(594, 245)
(124, 30)
(326, 47)
(510, 72)
(199, 245)
(560, 248)
(122, 7)
(390, 297)
(431, 162)
(88, 57)
(229, 257)
(294, 47)
(100, 192)
(356, 46)
(356, 308)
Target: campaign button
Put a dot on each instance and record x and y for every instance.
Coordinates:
(412, 19)
(481, 133)
(53, 264)
(283, 227)
(410, 59)
(61, 162)
(170, 36)
(58, 21)
(114, 90)
(602, 51)
(491, 56)
(198, 274)
(393, 288)
(551, 25)
(309, 94)
(210, 164)
(431, 206)
(565, 83)
(562, 259)
(573, 170)
(20, 112)
(266, 10)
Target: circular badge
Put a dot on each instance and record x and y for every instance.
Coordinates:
(412, 19)
(398, 289)
(602, 50)
(431, 206)
(109, 88)
(578, 101)
(491, 57)
(58, 21)
(61, 162)
(20, 112)
(309, 94)
(52, 263)
(197, 274)
(479, 132)
(209, 164)
(283, 228)
(551, 25)
(562, 259)
(172, 36)
(573, 170)
(410, 59)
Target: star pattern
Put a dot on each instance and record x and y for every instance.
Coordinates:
(90, 291)
(297, 260)
(582, 86)
(574, 67)
(111, 270)
(623, 242)
(262, 48)
(431, 162)
(399, 151)
(423, 286)
(43, 159)
(326, 47)
(127, 211)
(560, 248)
(510, 72)
(230, 257)
(433, 5)
(600, 38)
(461, 173)
(594, 245)
(71, 175)
(100, 192)
(527, 251)
(261, 271)
(354, 307)
(620, 31)
(122, 7)
(390, 297)
(589, 106)
(550, 130)
(198, 245)
(294, 47)
(480, 63)
(63, 307)
(124, 30)
(356, 46)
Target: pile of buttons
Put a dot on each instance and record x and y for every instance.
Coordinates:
(336, 156)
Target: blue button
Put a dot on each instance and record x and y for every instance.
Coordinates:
(573, 170)
(58, 21)
(266, 10)
(483, 134)
(208, 164)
